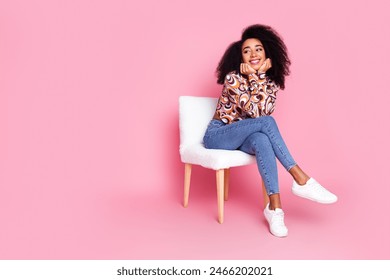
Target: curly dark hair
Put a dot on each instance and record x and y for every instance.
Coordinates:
(229, 62)
(274, 48)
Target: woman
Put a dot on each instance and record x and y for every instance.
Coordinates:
(252, 70)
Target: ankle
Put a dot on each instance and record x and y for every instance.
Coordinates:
(301, 180)
(298, 175)
(273, 207)
(274, 201)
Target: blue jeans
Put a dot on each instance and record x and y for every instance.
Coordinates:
(259, 137)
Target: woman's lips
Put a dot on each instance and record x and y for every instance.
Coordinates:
(256, 61)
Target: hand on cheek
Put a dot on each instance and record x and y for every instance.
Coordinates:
(246, 69)
(267, 64)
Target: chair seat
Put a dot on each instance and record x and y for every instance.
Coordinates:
(213, 158)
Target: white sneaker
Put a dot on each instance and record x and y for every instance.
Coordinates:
(275, 219)
(314, 191)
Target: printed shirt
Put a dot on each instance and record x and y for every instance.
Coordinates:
(245, 97)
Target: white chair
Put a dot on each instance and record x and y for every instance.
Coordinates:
(195, 114)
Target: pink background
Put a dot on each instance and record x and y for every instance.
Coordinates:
(89, 137)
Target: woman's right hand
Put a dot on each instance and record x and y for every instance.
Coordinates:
(246, 69)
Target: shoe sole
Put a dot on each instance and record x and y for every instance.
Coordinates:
(280, 236)
(315, 200)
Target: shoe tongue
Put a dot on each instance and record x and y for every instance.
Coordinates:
(311, 180)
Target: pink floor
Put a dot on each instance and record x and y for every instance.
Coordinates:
(115, 223)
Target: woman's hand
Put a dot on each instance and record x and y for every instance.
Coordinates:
(267, 64)
(246, 69)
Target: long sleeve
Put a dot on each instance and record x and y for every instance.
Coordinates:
(246, 98)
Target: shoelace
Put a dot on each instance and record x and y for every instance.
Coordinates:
(319, 188)
(278, 218)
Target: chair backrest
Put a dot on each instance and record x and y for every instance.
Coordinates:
(195, 114)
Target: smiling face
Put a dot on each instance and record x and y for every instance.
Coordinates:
(253, 53)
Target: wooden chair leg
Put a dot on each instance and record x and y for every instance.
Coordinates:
(187, 181)
(226, 183)
(265, 195)
(220, 191)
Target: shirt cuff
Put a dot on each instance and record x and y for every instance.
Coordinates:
(253, 77)
(262, 76)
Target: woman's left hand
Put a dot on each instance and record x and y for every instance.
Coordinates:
(267, 64)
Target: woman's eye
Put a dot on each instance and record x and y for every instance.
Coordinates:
(259, 50)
